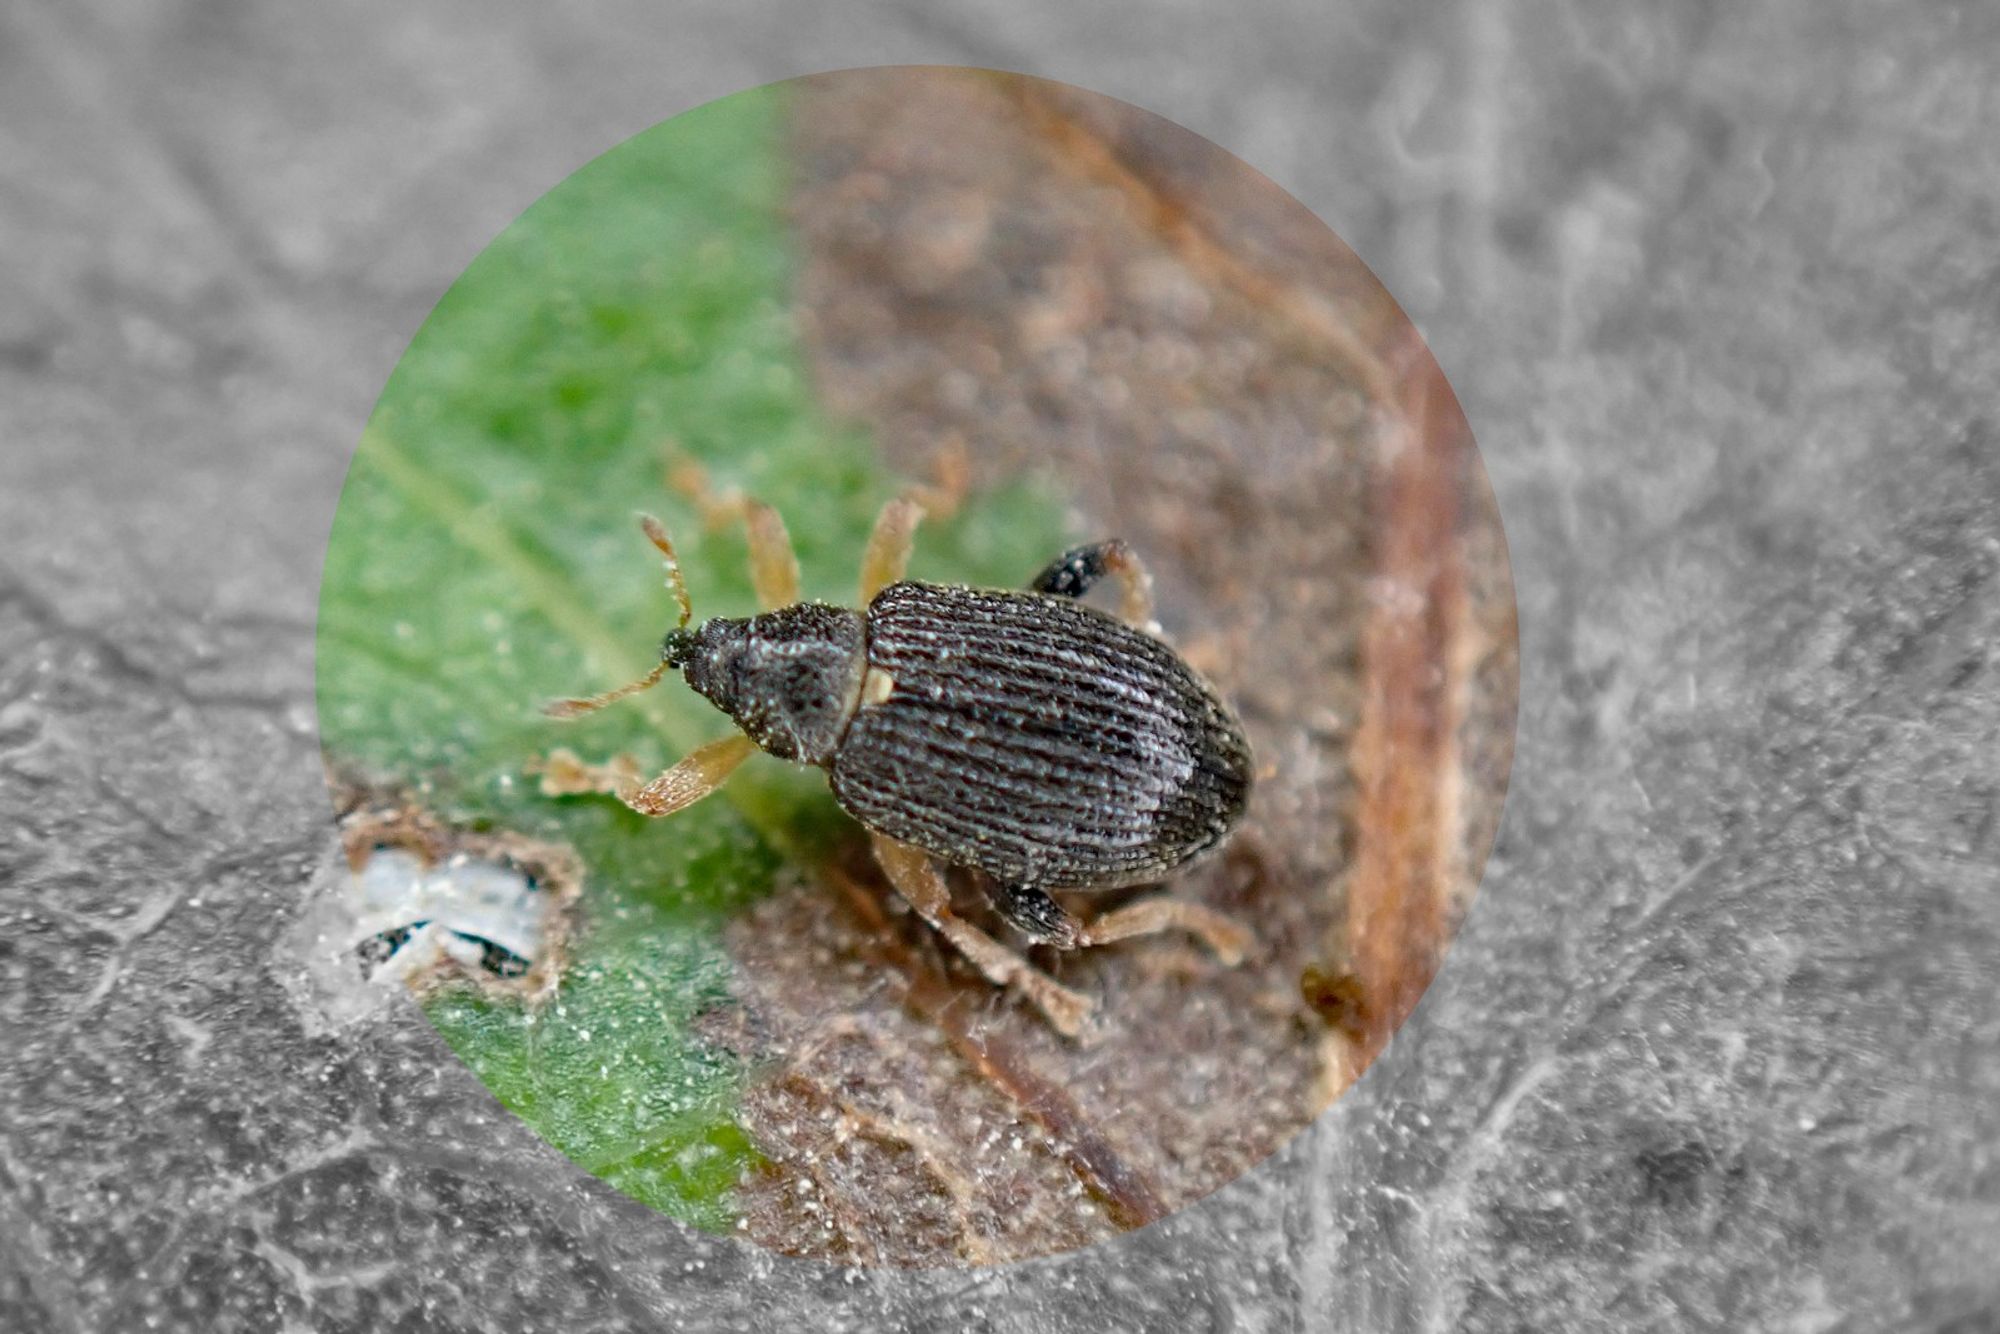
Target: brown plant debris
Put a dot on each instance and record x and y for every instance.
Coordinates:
(1409, 855)
(1068, 287)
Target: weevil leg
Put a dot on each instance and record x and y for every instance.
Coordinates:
(888, 553)
(1076, 571)
(917, 878)
(718, 508)
(565, 774)
(705, 769)
(774, 568)
(951, 467)
(1047, 921)
(1228, 939)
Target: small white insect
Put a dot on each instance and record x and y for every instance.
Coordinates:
(412, 918)
(429, 906)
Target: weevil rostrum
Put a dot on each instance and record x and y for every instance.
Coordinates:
(1046, 744)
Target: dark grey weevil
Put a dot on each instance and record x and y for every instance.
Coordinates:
(1038, 740)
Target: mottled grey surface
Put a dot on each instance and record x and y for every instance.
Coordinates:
(1720, 288)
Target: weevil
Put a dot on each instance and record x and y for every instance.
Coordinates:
(1049, 745)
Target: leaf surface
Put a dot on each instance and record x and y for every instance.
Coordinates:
(485, 559)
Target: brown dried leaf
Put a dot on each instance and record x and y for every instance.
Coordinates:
(1069, 286)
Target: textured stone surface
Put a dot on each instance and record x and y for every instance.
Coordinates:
(1718, 290)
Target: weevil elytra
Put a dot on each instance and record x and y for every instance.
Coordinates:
(1040, 741)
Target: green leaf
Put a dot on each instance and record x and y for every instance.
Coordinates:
(485, 559)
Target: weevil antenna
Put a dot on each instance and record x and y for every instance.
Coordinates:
(657, 535)
(573, 708)
(671, 653)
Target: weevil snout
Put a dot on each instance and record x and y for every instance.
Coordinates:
(678, 646)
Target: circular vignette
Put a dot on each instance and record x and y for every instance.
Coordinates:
(1048, 317)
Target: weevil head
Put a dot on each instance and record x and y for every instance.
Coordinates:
(790, 678)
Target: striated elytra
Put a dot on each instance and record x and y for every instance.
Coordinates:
(1041, 741)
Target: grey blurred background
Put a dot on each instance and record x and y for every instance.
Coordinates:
(1719, 288)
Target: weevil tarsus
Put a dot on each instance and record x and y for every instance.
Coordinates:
(1078, 570)
(702, 771)
(917, 878)
(1038, 916)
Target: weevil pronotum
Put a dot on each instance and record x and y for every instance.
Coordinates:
(1042, 742)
